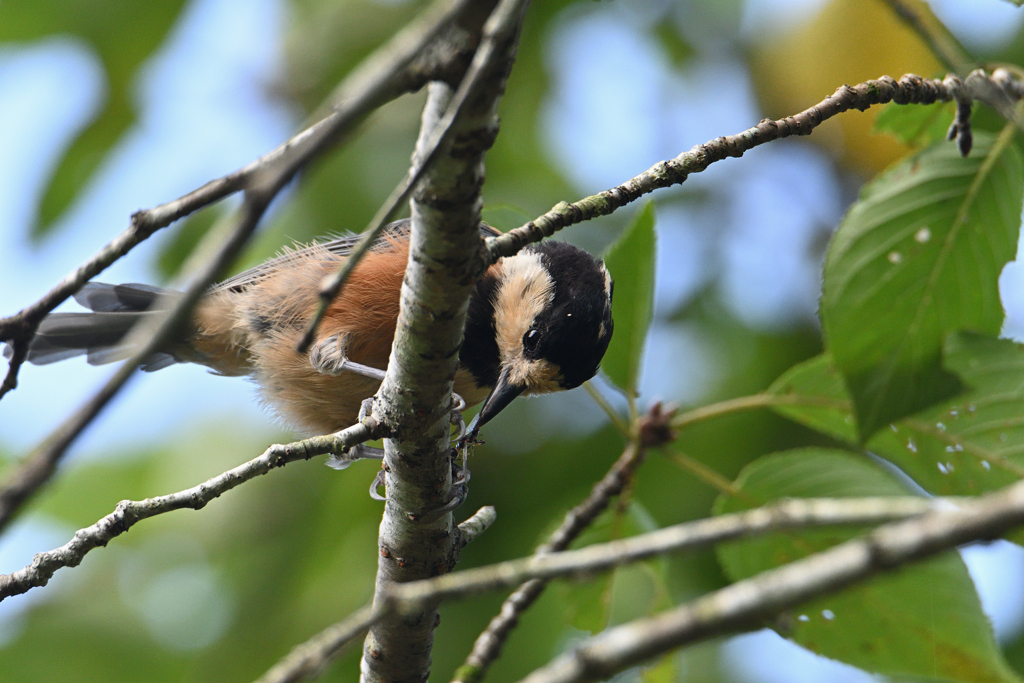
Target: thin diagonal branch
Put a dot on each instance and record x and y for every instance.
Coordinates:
(385, 75)
(307, 660)
(784, 515)
(653, 429)
(910, 89)
(128, 513)
(389, 72)
(749, 603)
(487, 647)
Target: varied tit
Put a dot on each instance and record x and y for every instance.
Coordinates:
(538, 322)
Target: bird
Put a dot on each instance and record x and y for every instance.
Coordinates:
(538, 322)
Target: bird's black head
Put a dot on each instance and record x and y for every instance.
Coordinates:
(552, 322)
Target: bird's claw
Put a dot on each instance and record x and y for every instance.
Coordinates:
(328, 358)
(357, 452)
(460, 472)
(378, 481)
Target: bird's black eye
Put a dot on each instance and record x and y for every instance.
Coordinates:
(530, 340)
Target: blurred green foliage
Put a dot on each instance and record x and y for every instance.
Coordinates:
(280, 558)
(123, 34)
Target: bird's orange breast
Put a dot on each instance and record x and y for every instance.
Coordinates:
(255, 331)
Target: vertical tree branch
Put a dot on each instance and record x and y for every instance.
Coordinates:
(417, 536)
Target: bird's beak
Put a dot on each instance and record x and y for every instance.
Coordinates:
(501, 395)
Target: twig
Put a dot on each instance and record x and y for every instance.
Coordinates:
(488, 644)
(709, 476)
(910, 89)
(307, 661)
(748, 603)
(480, 522)
(744, 403)
(788, 514)
(440, 139)
(414, 401)
(602, 402)
(128, 513)
(383, 76)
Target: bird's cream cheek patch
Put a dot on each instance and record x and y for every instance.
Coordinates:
(525, 290)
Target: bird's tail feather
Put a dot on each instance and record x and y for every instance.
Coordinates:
(101, 335)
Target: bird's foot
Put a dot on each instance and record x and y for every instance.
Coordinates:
(328, 358)
(357, 452)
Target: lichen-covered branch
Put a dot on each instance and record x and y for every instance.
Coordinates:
(787, 514)
(480, 522)
(999, 91)
(417, 536)
(128, 512)
(749, 603)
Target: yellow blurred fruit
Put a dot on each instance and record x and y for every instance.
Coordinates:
(848, 41)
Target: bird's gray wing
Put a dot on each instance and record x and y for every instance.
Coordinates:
(341, 246)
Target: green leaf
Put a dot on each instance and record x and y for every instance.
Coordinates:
(631, 264)
(665, 670)
(588, 602)
(968, 445)
(918, 256)
(923, 621)
(817, 398)
(972, 444)
(917, 125)
(123, 33)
